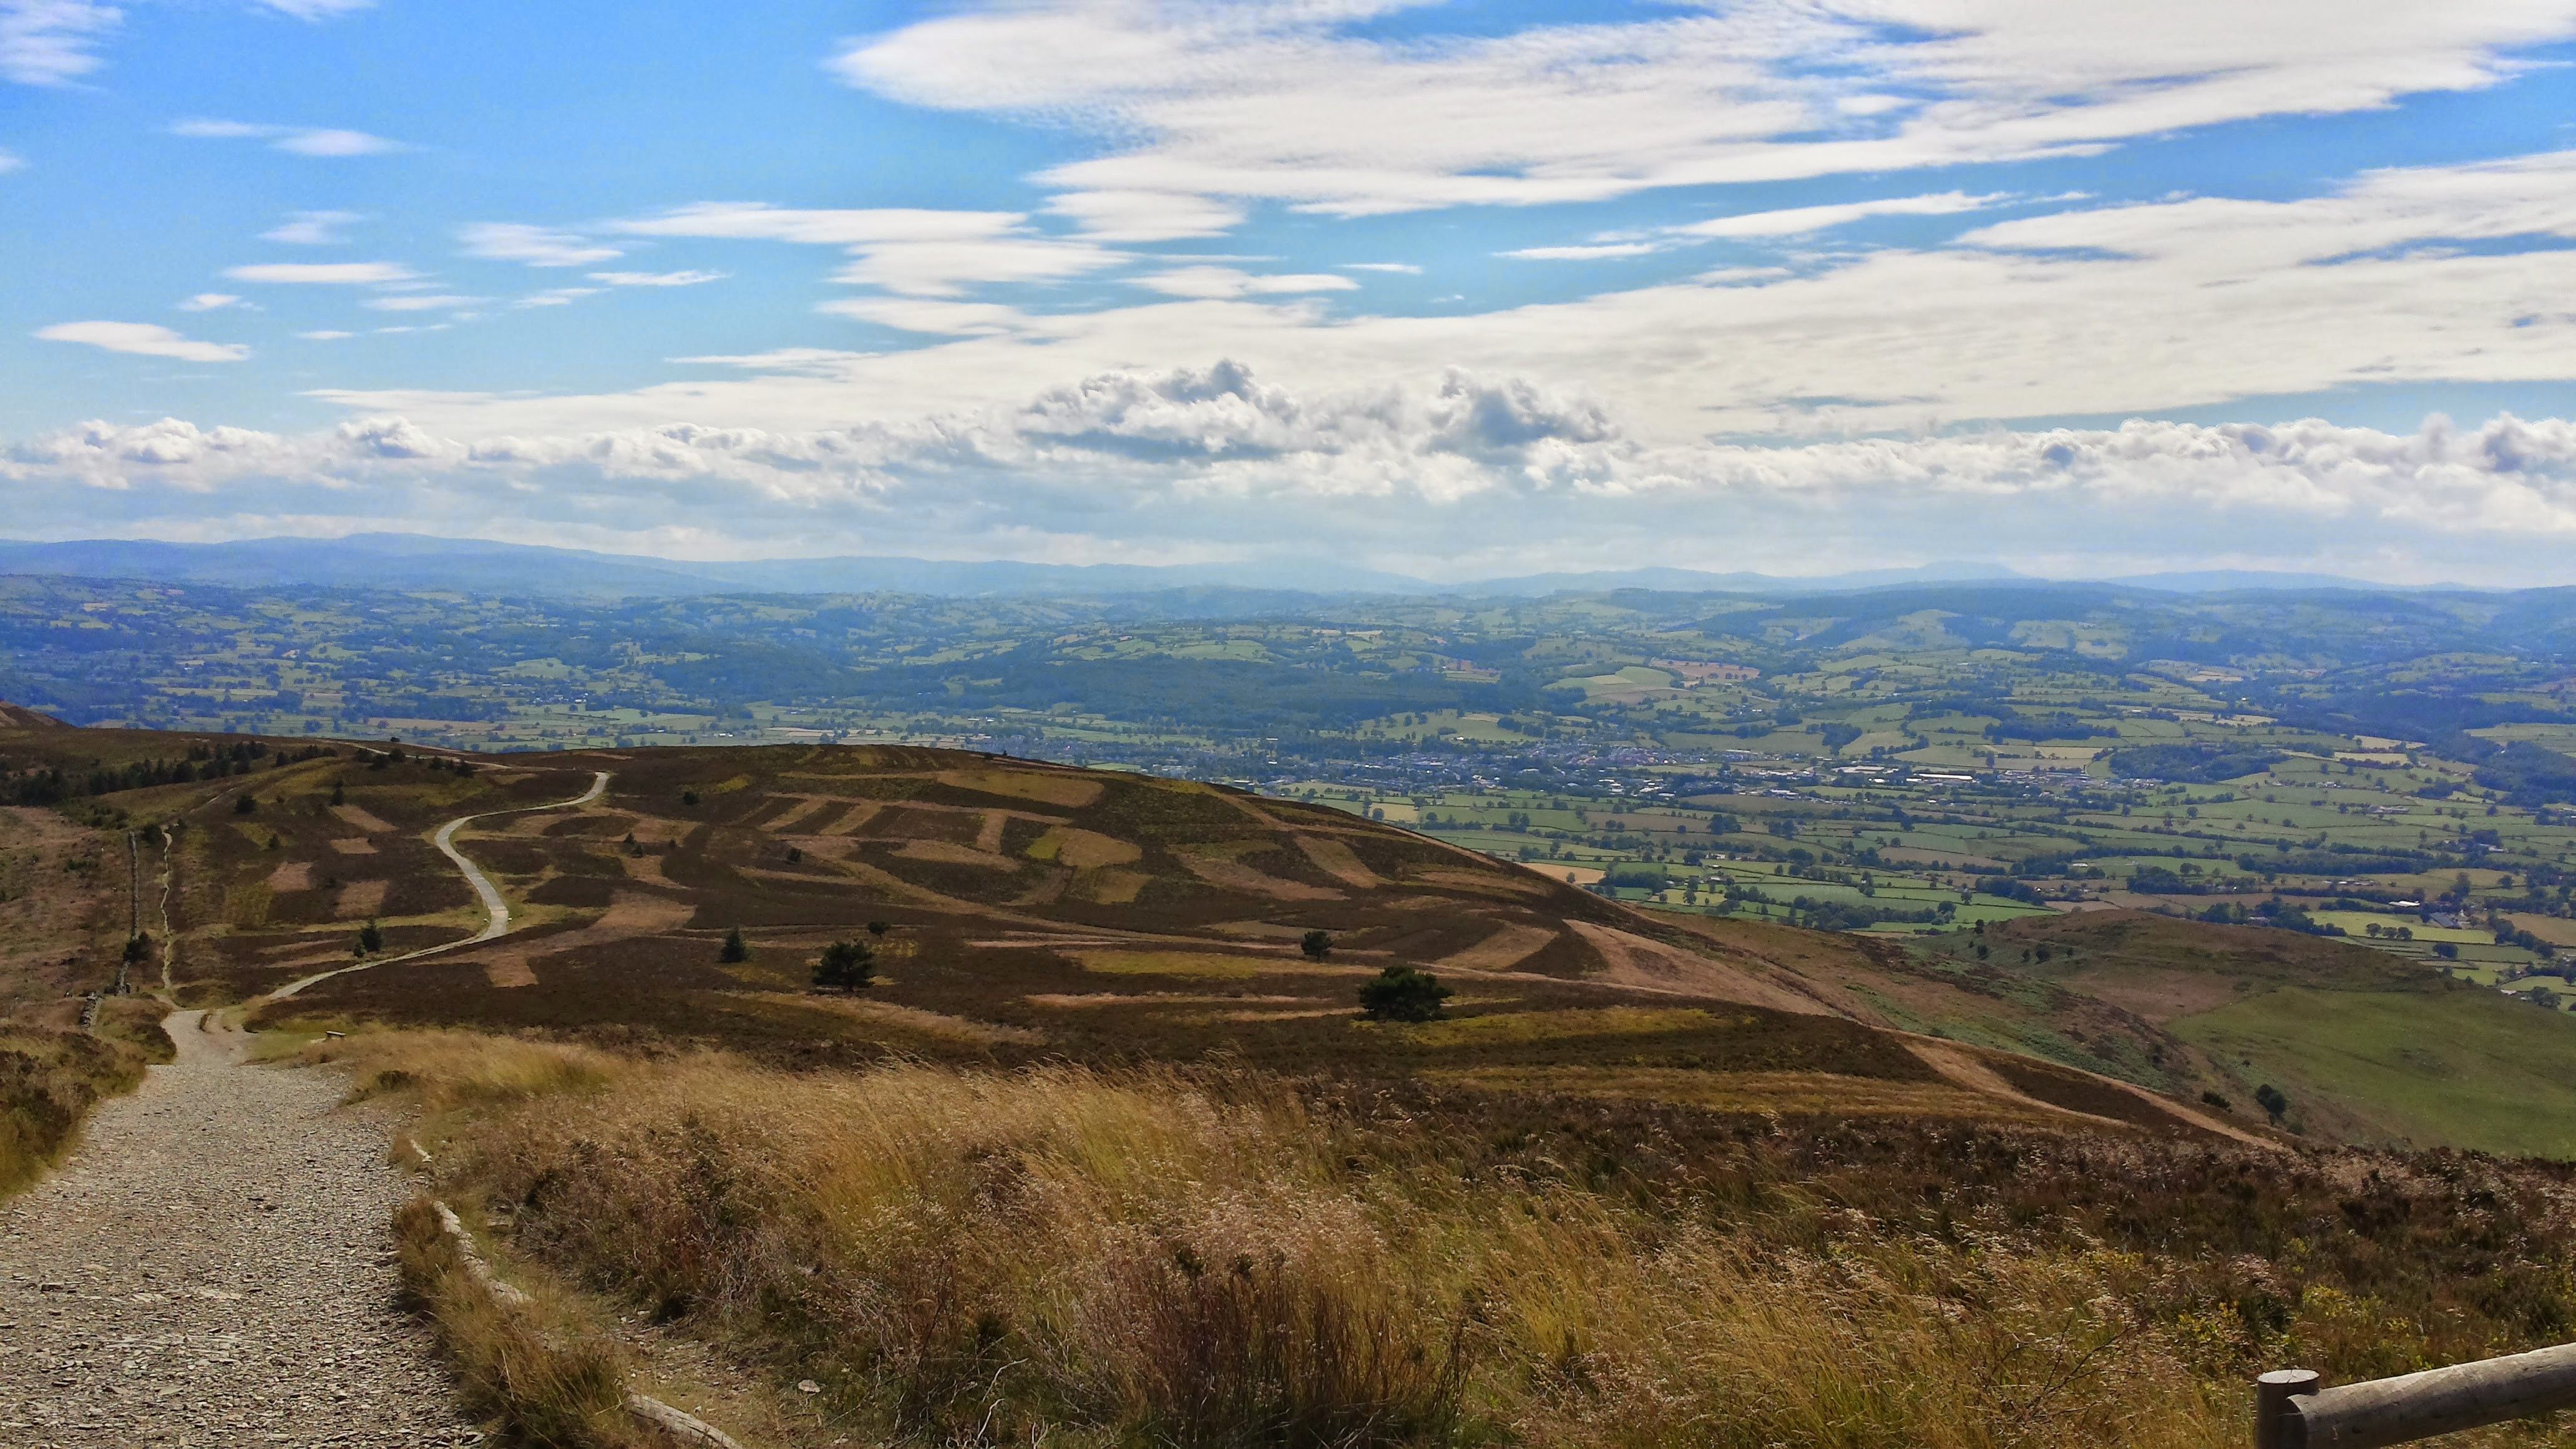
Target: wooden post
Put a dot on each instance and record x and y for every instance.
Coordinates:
(2277, 1422)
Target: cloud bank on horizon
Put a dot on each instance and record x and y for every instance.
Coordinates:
(1444, 288)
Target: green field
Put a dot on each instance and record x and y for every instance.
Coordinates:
(2462, 1068)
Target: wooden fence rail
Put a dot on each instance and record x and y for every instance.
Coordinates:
(2294, 1410)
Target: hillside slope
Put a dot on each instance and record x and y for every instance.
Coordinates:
(1030, 912)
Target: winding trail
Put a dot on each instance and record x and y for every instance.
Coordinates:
(211, 1267)
(496, 910)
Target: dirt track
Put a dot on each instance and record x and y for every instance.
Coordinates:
(213, 1266)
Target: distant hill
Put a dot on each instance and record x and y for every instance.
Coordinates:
(418, 562)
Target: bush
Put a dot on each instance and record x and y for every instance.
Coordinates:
(845, 966)
(244, 803)
(1403, 993)
(1316, 944)
(2272, 1101)
(736, 949)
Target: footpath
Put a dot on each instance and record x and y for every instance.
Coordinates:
(213, 1267)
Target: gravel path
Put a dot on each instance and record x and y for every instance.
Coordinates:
(214, 1266)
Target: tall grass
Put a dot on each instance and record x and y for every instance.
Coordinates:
(1074, 1256)
(50, 1078)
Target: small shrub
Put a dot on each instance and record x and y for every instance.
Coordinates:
(1403, 993)
(846, 966)
(371, 939)
(244, 803)
(736, 949)
(2272, 1101)
(1316, 944)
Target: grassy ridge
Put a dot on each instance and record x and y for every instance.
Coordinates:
(2467, 1068)
(1155, 1256)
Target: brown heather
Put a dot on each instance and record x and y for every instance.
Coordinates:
(1083, 1257)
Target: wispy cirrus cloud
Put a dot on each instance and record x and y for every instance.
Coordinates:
(1297, 103)
(317, 141)
(52, 42)
(143, 339)
(535, 246)
(917, 252)
(314, 229)
(324, 274)
(659, 279)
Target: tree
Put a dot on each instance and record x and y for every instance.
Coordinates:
(845, 966)
(878, 928)
(1316, 944)
(1403, 993)
(371, 939)
(736, 949)
(243, 804)
(2270, 1099)
(338, 795)
(138, 949)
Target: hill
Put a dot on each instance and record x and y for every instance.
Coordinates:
(2366, 1046)
(1018, 912)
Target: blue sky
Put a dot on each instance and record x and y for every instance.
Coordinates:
(1453, 288)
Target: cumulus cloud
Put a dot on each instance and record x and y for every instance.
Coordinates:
(535, 245)
(296, 140)
(1494, 467)
(331, 274)
(314, 229)
(144, 340)
(52, 42)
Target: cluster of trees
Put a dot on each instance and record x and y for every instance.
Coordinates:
(52, 785)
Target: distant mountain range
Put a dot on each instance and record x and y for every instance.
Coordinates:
(417, 562)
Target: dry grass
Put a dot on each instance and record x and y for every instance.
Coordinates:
(1078, 1257)
(550, 1376)
(51, 1078)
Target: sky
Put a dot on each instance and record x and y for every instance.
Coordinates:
(1455, 290)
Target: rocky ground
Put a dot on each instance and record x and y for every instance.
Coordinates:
(214, 1266)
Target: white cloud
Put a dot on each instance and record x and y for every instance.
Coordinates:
(210, 302)
(1215, 283)
(1497, 469)
(297, 140)
(314, 9)
(759, 221)
(9, 163)
(1286, 101)
(420, 302)
(535, 245)
(930, 315)
(1140, 216)
(314, 229)
(1801, 220)
(1588, 251)
(658, 279)
(1407, 268)
(144, 340)
(916, 252)
(556, 297)
(338, 274)
(49, 42)
(325, 335)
